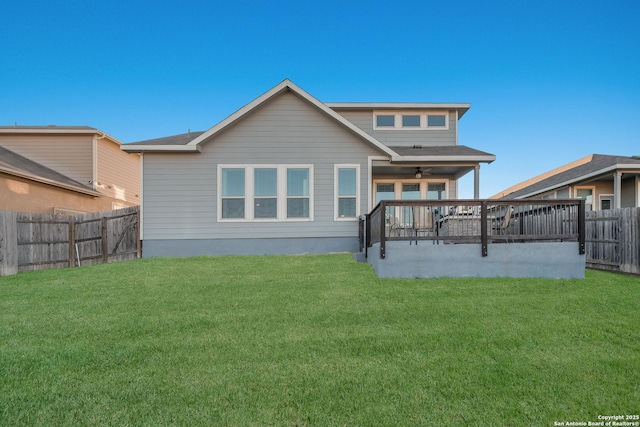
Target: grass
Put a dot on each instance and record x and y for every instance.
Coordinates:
(311, 341)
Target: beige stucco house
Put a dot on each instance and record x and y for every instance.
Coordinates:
(65, 169)
(604, 181)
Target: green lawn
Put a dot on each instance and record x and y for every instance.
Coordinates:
(312, 341)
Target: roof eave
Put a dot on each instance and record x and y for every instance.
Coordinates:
(579, 179)
(475, 159)
(462, 108)
(53, 129)
(139, 148)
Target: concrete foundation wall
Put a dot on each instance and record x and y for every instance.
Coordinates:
(195, 247)
(557, 260)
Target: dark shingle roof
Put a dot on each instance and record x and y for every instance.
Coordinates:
(182, 139)
(11, 162)
(448, 150)
(598, 162)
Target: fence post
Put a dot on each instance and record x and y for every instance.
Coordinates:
(581, 226)
(72, 242)
(138, 240)
(8, 243)
(105, 241)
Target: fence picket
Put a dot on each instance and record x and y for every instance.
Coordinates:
(39, 241)
(613, 240)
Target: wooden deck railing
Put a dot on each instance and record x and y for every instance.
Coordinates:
(474, 221)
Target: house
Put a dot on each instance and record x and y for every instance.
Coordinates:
(65, 170)
(604, 181)
(288, 173)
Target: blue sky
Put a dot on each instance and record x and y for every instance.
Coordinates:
(548, 81)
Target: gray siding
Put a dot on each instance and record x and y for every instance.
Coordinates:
(629, 193)
(407, 138)
(180, 200)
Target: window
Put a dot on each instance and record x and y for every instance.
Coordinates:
(410, 121)
(265, 192)
(297, 193)
(433, 120)
(347, 191)
(385, 120)
(265, 184)
(606, 202)
(587, 194)
(436, 191)
(233, 191)
(436, 120)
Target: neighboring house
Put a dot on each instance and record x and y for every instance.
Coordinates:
(289, 174)
(66, 170)
(604, 181)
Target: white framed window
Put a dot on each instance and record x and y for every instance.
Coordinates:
(606, 201)
(411, 120)
(298, 196)
(232, 194)
(585, 193)
(265, 193)
(347, 191)
(410, 189)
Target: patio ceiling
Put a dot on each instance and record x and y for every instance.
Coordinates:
(429, 170)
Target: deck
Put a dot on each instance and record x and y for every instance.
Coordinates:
(485, 238)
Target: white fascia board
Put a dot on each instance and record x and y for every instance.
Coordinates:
(241, 112)
(460, 107)
(397, 105)
(413, 159)
(289, 85)
(140, 148)
(609, 169)
(49, 130)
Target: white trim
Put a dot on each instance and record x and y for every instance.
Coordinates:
(461, 108)
(249, 190)
(609, 197)
(139, 148)
(336, 169)
(370, 186)
(424, 117)
(586, 187)
(424, 186)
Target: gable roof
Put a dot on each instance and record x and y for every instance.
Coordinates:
(583, 169)
(14, 164)
(173, 144)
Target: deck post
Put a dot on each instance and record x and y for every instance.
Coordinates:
(483, 227)
(383, 215)
(367, 234)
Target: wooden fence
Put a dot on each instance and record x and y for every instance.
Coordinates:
(613, 240)
(38, 241)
